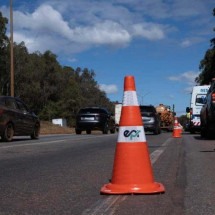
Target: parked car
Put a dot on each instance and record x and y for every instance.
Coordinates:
(151, 119)
(17, 120)
(207, 113)
(94, 118)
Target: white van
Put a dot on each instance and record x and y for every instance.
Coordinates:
(193, 112)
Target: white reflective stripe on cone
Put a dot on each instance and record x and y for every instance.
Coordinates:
(130, 98)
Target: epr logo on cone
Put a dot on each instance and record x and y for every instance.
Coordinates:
(132, 170)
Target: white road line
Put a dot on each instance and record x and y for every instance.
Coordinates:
(48, 142)
(106, 206)
(156, 154)
(109, 205)
(31, 144)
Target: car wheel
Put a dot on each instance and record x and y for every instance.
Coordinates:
(192, 131)
(8, 133)
(36, 132)
(105, 129)
(88, 131)
(77, 131)
(156, 131)
(113, 130)
(203, 132)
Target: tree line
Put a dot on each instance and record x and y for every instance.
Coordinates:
(49, 89)
(207, 64)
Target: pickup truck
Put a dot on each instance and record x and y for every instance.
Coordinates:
(207, 113)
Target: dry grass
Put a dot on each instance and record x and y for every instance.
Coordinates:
(49, 128)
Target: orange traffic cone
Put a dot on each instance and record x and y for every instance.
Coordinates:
(132, 171)
(177, 129)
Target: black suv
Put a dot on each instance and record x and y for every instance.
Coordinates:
(94, 118)
(207, 113)
(151, 119)
(16, 119)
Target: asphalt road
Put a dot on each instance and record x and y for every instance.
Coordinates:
(63, 174)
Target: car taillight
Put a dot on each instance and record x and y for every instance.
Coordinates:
(213, 97)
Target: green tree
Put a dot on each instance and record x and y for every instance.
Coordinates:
(207, 64)
(4, 58)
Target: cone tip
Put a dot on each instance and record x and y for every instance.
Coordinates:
(129, 83)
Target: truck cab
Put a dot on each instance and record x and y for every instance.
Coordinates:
(198, 97)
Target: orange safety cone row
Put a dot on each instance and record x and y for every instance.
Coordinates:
(177, 129)
(132, 170)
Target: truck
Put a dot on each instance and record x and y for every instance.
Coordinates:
(207, 113)
(166, 117)
(197, 100)
(118, 108)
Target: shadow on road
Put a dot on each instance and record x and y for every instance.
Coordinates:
(197, 136)
(208, 139)
(208, 150)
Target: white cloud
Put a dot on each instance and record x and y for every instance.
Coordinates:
(177, 9)
(187, 78)
(72, 60)
(171, 96)
(107, 32)
(109, 89)
(79, 25)
(149, 31)
(52, 24)
(190, 41)
(186, 43)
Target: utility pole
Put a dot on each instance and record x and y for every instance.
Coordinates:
(11, 51)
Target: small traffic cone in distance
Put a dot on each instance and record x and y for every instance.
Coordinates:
(132, 170)
(177, 129)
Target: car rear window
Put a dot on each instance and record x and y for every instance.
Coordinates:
(21, 106)
(147, 109)
(92, 110)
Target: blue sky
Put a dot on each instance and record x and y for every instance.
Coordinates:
(159, 42)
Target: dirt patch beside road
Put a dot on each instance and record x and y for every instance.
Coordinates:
(49, 128)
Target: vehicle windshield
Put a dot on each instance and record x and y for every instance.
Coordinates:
(200, 99)
(146, 109)
(92, 110)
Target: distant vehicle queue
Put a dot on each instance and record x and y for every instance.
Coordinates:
(155, 119)
(17, 120)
